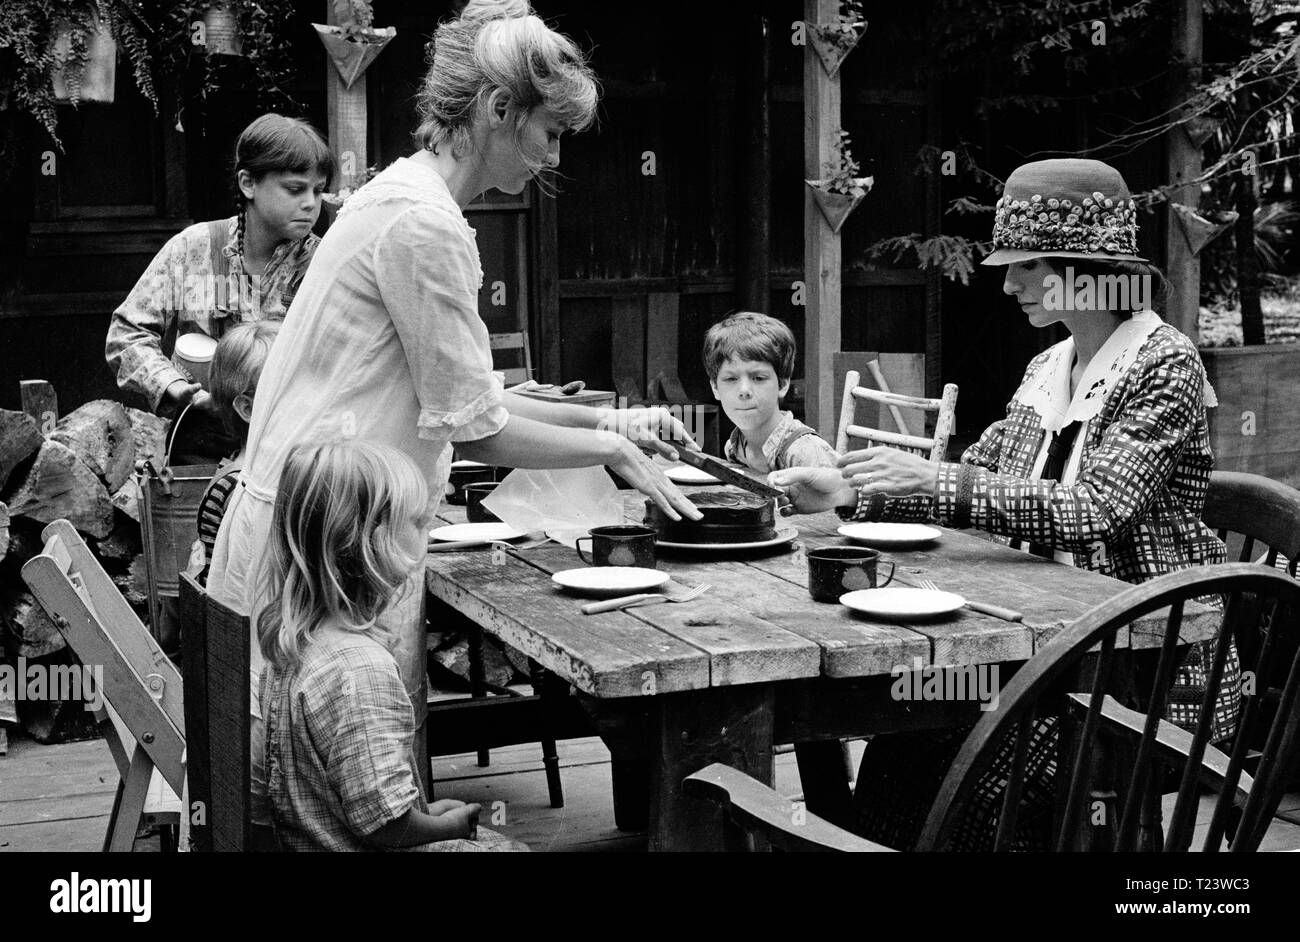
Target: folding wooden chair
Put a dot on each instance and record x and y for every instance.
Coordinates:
(215, 658)
(936, 447)
(142, 716)
(1111, 744)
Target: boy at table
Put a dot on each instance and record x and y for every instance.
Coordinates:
(750, 358)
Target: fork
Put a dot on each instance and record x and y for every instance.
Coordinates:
(1007, 614)
(650, 598)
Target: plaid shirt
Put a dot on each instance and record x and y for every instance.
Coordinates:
(1134, 510)
(179, 293)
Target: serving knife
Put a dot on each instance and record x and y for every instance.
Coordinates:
(725, 474)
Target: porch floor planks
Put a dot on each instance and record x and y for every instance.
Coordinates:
(34, 774)
(610, 662)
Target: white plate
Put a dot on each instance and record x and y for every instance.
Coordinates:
(685, 474)
(783, 535)
(478, 532)
(889, 534)
(464, 463)
(610, 580)
(899, 602)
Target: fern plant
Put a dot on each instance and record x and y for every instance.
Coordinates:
(28, 54)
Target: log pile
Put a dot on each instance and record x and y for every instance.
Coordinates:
(82, 471)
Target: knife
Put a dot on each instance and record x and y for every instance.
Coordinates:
(698, 459)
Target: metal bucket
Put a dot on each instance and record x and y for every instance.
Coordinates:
(169, 527)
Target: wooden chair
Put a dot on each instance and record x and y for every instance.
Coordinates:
(142, 717)
(1260, 511)
(1251, 513)
(935, 447)
(1109, 757)
(510, 355)
(215, 659)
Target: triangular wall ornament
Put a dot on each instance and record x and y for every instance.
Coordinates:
(1197, 230)
(836, 207)
(349, 56)
(834, 43)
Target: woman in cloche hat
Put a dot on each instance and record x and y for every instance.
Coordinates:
(1103, 459)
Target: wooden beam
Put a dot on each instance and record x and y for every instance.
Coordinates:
(546, 281)
(345, 110)
(754, 244)
(822, 261)
(1183, 164)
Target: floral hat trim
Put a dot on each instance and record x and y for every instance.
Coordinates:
(1094, 225)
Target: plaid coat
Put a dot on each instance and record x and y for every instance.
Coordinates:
(1134, 510)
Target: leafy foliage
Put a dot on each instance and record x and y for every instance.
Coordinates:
(842, 170)
(847, 27)
(29, 52)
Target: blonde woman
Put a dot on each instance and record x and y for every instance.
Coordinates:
(349, 528)
(384, 342)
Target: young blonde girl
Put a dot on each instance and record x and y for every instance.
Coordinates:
(349, 528)
(236, 367)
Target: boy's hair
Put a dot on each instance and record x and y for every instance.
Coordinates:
(336, 553)
(236, 366)
(750, 336)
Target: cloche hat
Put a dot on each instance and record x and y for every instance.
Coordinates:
(1064, 208)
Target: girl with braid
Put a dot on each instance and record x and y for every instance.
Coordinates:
(214, 275)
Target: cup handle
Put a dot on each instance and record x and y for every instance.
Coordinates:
(892, 567)
(577, 545)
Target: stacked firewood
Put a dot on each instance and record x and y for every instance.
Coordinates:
(83, 470)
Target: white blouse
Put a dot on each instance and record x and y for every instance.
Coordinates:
(384, 340)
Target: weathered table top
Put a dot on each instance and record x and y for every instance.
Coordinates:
(759, 625)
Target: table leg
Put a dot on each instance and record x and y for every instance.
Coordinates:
(691, 730)
(824, 777)
(631, 793)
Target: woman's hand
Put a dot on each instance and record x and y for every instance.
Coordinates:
(812, 490)
(889, 471)
(635, 467)
(444, 805)
(650, 427)
(177, 396)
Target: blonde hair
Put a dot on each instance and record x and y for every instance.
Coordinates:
(500, 44)
(236, 367)
(336, 551)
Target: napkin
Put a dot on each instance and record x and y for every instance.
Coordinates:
(564, 502)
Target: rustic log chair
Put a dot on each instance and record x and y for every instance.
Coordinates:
(935, 447)
(215, 660)
(142, 717)
(1118, 801)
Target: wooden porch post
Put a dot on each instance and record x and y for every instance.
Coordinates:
(1183, 163)
(753, 267)
(345, 110)
(821, 246)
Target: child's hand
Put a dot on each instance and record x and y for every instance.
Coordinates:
(465, 818)
(812, 490)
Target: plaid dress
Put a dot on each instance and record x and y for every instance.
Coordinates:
(339, 749)
(1133, 513)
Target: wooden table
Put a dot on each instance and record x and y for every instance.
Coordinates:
(756, 662)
